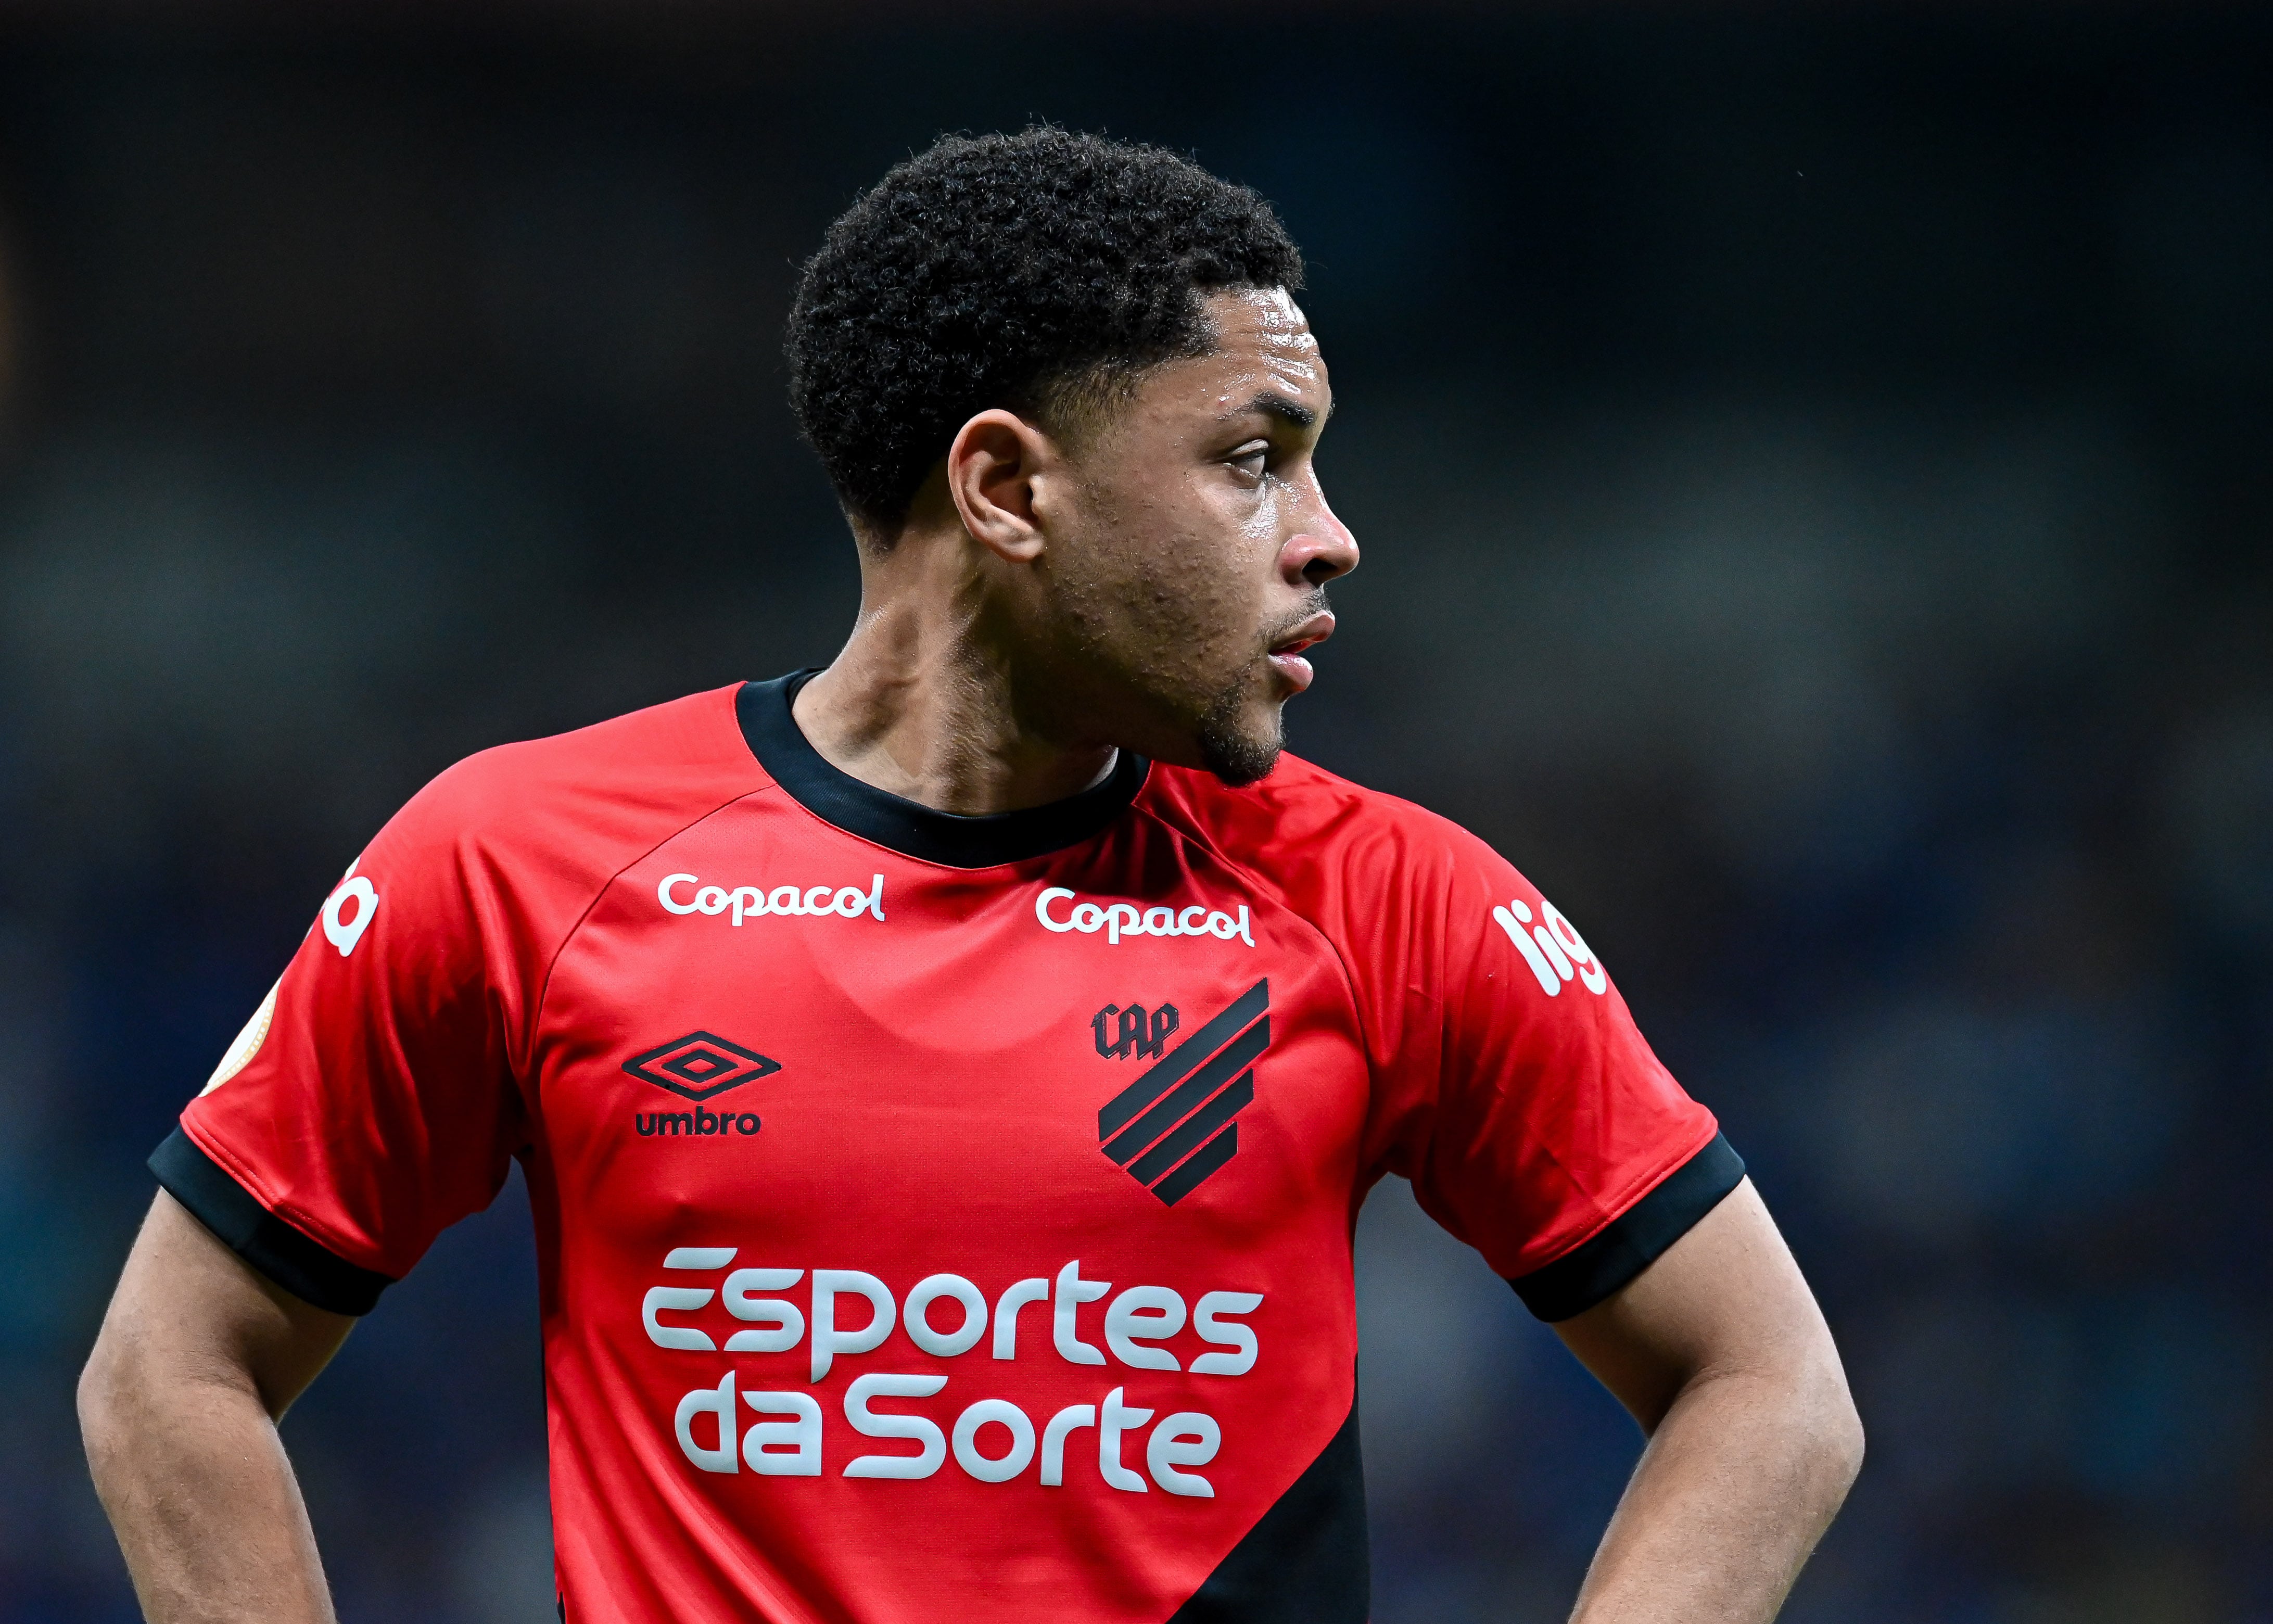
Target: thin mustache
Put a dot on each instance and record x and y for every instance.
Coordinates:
(1312, 607)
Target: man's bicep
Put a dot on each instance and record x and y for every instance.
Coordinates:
(1725, 1298)
(188, 1304)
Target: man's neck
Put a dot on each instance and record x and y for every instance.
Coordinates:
(921, 704)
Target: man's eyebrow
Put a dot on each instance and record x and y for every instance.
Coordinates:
(1271, 403)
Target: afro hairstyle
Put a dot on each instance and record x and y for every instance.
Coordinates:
(1039, 271)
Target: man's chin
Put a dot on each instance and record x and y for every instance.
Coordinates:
(1238, 746)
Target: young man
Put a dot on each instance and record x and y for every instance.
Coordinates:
(947, 1081)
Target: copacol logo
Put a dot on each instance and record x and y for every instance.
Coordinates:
(1172, 1128)
(699, 1066)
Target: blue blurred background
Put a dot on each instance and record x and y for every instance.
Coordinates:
(1816, 475)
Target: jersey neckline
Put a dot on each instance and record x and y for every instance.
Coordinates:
(908, 827)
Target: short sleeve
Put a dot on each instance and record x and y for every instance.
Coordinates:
(1549, 1136)
(370, 1102)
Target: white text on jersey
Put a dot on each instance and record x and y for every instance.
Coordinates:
(1555, 951)
(1125, 919)
(789, 901)
(1134, 1323)
(340, 929)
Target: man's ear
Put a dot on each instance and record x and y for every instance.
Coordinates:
(992, 468)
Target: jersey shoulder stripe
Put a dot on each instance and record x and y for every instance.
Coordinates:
(1598, 1269)
(302, 1266)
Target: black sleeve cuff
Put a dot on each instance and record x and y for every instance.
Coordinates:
(304, 1267)
(1578, 1280)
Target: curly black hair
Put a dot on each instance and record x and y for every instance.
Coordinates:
(1040, 272)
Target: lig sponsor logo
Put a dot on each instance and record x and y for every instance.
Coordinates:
(714, 1435)
(1555, 951)
(686, 893)
(1125, 919)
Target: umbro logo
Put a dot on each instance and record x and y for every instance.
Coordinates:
(1172, 1128)
(700, 1065)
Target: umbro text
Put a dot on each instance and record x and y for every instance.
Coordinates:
(696, 1123)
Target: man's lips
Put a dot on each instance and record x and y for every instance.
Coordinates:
(1286, 652)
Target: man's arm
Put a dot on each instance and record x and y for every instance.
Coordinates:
(1719, 1350)
(198, 1357)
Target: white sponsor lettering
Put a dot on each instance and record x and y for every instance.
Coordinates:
(678, 1297)
(1208, 1320)
(1185, 1439)
(716, 1401)
(828, 1340)
(1555, 951)
(1124, 918)
(1012, 1419)
(1054, 1440)
(1072, 1291)
(1006, 1313)
(869, 1424)
(686, 893)
(762, 1444)
(785, 1326)
(697, 1257)
(964, 1336)
(1070, 1419)
(771, 1448)
(1143, 1314)
(991, 1439)
(342, 929)
(1140, 1315)
(1114, 1419)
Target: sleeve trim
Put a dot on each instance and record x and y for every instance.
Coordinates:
(306, 1267)
(1590, 1272)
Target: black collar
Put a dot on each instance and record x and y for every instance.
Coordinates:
(908, 827)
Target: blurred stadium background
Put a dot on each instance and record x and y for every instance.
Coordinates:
(1814, 475)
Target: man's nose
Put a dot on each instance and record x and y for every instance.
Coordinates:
(1321, 550)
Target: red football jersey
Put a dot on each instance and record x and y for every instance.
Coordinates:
(938, 1216)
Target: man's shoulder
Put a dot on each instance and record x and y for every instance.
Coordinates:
(600, 790)
(1303, 827)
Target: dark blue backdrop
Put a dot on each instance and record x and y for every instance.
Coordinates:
(1814, 480)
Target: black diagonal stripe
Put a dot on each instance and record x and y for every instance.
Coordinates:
(1167, 1073)
(1204, 1161)
(1190, 1092)
(1202, 1123)
(1305, 1561)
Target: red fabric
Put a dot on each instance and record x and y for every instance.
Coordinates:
(934, 1112)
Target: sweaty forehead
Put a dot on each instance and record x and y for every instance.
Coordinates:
(1263, 342)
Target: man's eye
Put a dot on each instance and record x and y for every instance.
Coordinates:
(1252, 463)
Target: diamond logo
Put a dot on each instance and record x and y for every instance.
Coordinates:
(1172, 1128)
(700, 1065)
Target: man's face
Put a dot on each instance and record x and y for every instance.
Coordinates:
(1188, 570)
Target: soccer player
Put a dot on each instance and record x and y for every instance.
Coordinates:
(947, 1080)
